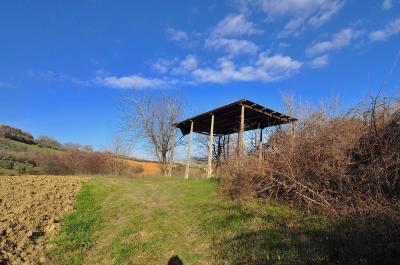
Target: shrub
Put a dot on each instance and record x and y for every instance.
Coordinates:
(7, 145)
(74, 162)
(138, 169)
(16, 134)
(45, 141)
(7, 162)
(338, 164)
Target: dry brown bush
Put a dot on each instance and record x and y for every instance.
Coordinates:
(73, 162)
(345, 163)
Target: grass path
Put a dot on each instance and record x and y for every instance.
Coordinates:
(149, 220)
(136, 221)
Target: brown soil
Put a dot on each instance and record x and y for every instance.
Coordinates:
(31, 208)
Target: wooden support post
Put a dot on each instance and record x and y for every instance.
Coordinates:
(210, 145)
(241, 133)
(188, 153)
(227, 147)
(260, 155)
(171, 157)
(171, 161)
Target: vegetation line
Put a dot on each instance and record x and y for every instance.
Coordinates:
(77, 234)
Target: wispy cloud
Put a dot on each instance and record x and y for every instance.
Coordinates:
(164, 65)
(265, 69)
(225, 36)
(319, 61)
(232, 47)
(176, 66)
(390, 29)
(51, 75)
(299, 13)
(234, 25)
(387, 4)
(130, 81)
(338, 41)
(327, 11)
(5, 85)
(189, 63)
(176, 35)
(102, 78)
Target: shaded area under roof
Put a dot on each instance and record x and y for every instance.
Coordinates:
(227, 119)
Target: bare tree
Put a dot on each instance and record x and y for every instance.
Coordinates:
(119, 149)
(152, 119)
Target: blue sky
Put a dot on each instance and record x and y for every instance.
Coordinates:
(63, 64)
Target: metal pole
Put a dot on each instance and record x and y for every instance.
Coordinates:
(188, 153)
(210, 145)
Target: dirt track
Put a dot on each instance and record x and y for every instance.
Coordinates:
(31, 208)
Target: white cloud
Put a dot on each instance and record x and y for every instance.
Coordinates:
(338, 41)
(319, 61)
(51, 75)
(265, 69)
(131, 81)
(235, 25)
(280, 8)
(176, 66)
(390, 29)
(186, 65)
(232, 46)
(176, 35)
(326, 13)
(387, 4)
(163, 65)
(299, 12)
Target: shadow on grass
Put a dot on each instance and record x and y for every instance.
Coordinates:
(175, 260)
(244, 234)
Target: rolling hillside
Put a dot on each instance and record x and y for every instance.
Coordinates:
(20, 154)
(13, 149)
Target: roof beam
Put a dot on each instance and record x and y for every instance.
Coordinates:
(267, 113)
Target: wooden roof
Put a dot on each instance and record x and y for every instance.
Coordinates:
(227, 119)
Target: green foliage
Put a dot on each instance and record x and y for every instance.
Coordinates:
(24, 168)
(7, 162)
(10, 145)
(45, 141)
(18, 164)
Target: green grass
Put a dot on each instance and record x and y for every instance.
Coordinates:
(15, 146)
(8, 172)
(149, 220)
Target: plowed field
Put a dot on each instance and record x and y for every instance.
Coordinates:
(31, 208)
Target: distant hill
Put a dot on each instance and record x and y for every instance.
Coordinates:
(18, 157)
(21, 153)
